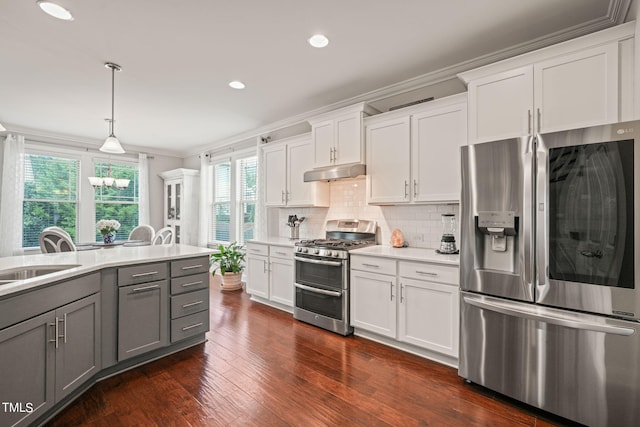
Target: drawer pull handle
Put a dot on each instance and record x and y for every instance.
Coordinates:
(186, 328)
(190, 267)
(370, 265)
(149, 273)
(427, 273)
(282, 253)
(191, 304)
(185, 285)
(146, 288)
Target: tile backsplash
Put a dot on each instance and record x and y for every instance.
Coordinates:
(421, 225)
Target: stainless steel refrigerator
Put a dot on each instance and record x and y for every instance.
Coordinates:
(549, 265)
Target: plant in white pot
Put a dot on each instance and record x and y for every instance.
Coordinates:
(230, 261)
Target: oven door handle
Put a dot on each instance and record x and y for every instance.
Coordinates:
(319, 261)
(317, 290)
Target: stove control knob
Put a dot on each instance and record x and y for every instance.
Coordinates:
(334, 253)
(305, 250)
(316, 251)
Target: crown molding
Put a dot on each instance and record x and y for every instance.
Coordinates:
(80, 142)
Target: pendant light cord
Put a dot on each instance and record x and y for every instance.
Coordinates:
(113, 98)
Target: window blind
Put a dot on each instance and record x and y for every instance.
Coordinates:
(112, 203)
(221, 208)
(248, 168)
(50, 196)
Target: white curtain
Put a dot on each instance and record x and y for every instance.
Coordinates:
(261, 210)
(203, 207)
(12, 195)
(143, 189)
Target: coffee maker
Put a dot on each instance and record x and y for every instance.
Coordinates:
(448, 241)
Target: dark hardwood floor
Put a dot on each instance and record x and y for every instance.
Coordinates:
(260, 367)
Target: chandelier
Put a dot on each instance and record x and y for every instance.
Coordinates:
(108, 181)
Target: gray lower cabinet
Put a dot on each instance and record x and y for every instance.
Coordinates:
(45, 358)
(189, 298)
(78, 344)
(27, 364)
(142, 318)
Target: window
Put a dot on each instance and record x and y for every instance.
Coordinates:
(234, 199)
(112, 203)
(248, 169)
(50, 196)
(222, 201)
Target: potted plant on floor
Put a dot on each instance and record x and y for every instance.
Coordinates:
(230, 261)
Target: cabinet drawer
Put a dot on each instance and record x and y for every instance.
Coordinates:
(142, 273)
(189, 326)
(373, 264)
(282, 252)
(189, 303)
(188, 266)
(189, 283)
(257, 249)
(432, 272)
(40, 300)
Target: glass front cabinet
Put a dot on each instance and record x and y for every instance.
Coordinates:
(181, 195)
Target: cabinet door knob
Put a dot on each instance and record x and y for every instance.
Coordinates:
(415, 188)
(406, 189)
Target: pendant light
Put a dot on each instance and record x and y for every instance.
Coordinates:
(111, 144)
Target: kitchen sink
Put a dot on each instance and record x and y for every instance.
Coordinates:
(30, 271)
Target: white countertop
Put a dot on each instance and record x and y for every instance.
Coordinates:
(408, 254)
(90, 261)
(279, 241)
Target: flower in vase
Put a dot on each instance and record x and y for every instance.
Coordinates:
(107, 226)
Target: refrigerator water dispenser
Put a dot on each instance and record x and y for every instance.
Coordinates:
(496, 234)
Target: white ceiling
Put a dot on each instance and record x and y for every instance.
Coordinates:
(178, 57)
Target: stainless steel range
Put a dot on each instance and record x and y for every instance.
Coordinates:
(322, 273)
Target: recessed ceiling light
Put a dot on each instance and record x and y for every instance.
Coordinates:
(236, 84)
(318, 40)
(55, 10)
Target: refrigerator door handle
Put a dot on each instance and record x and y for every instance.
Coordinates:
(534, 313)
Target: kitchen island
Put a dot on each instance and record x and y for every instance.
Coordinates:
(104, 312)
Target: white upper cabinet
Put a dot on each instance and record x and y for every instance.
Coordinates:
(337, 136)
(388, 160)
(275, 165)
(323, 143)
(285, 163)
(579, 83)
(413, 154)
(500, 105)
(436, 137)
(577, 90)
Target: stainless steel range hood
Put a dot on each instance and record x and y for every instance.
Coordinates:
(331, 173)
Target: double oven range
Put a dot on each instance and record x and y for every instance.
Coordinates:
(322, 274)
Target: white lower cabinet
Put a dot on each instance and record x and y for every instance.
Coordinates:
(281, 275)
(373, 305)
(429, 315)
(258, 270)
(415, 303)
(270, 274)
